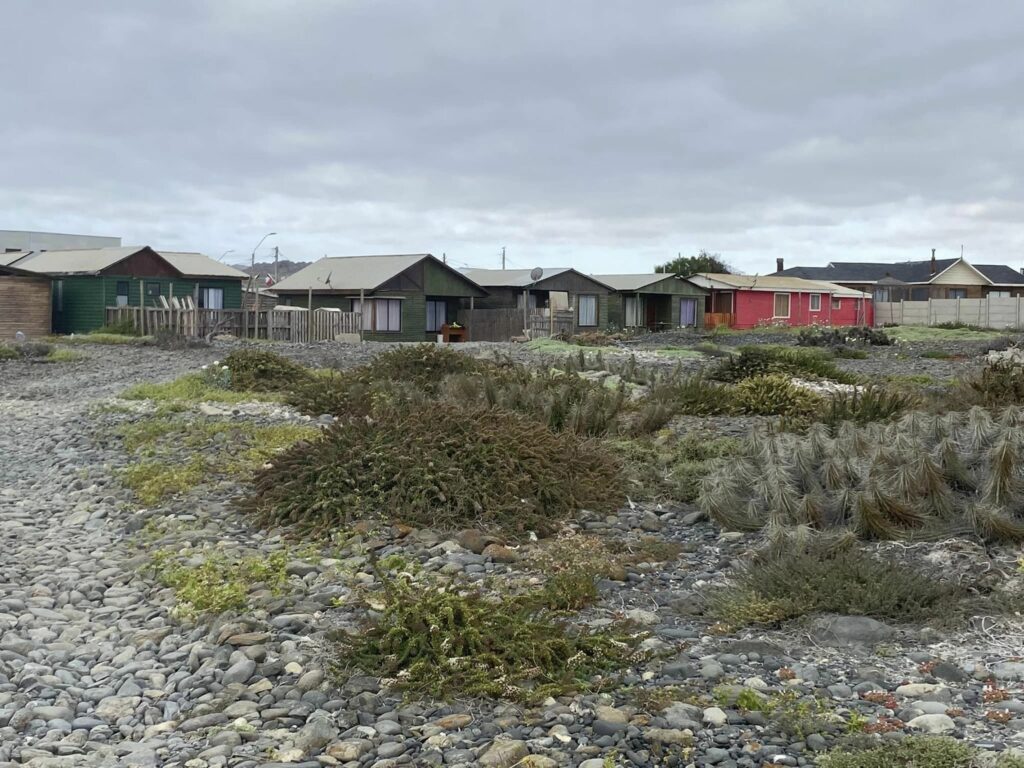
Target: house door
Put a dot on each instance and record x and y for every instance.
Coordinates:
(651, 312)
(688, 312)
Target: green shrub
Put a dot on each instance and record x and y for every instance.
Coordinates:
(936, 354)
(840, 337)
(570, 590)
(792, 361)
(830, 576)
(867, 404)
(422, 366)
(910, 752)
(850, 353)
(256, 370)
(193, 388)
(8, 353)
(994, 386)
(920, 476)
(121, 328)
(444, 644)
(694, 396)
(775, 395)
(441, 466)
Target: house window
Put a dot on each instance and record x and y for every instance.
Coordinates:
(384, 315)
(211, 298)
(588, 311)
(58, 295)
(634, 312)
(121, 299)
(531, 303)
(781, 305)
(999, 294)
(837, 303)
(437, 315)
(957, 293)
(815, 302)
(152, 291)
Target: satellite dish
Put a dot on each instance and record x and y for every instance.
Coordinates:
(536, 274)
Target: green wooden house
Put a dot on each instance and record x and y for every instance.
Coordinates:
(401, 297)
(655, 301)
(84, 282)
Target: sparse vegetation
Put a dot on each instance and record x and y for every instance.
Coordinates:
(194, 388)
(915, 751)
(442, 643)
(914, 333)
(257, 370)
(831, 576)
(210, 583)
(667, 467)
(806, 363)
(842, 337)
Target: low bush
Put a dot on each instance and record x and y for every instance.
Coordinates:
(775, 395)
(204, 386)
(840, 337)
(868, 404)
(441, 466)
(441, 643)
(910, 752)
(694, 396)
(850, 353)
(793, 361)
(993, 386)
(8, 353)
(831, 576)
(256, 370)
(120, 328)
(936, 354)
(165, 338)
(920, 476)
(422, 366)
(668, 468)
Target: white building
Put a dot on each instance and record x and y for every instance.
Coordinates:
(15, 240)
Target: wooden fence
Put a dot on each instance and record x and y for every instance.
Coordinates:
(992, 312)
(295, 325)
(506, 323)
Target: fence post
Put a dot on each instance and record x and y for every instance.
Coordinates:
(958, 310)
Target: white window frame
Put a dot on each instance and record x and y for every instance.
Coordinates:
(433, 305)
(588, 297)
(775, 305)
(815, 300)
(1000, 294)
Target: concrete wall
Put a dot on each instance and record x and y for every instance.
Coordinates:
(985, 313)
(16, 240)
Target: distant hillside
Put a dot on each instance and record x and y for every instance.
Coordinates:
(284, 267)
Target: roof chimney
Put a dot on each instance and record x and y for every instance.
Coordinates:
(933, 261)
(778, 264)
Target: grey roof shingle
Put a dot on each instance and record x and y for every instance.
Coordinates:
(870, 272)
(520, 278)
(356, 273)
(634, 282)
(89, 261)
(1000, 274)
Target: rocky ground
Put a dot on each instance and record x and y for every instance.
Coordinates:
(96, 669)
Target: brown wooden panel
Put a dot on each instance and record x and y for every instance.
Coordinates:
(144, 263)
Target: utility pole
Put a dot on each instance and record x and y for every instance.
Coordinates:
(276, 254)
(503, 257)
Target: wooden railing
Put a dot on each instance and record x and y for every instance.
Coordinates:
(295, 325)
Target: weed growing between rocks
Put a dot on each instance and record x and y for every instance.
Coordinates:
(213, 584)
(195, 388)
(840, 337)
(446, 644)
(441, 466)
(922, 476)
(830, 576)
(790, 712)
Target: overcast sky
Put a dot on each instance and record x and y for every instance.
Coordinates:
(607, 135)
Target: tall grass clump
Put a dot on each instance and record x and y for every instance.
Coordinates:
(437, 465)
(922, 476)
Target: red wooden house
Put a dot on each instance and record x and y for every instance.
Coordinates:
(750, 301)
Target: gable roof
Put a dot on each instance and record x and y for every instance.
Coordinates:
(520, 278)
(6, 270)
(358, 273)
(192, 264)
(1000, 274)
(634, 282)
(918, 272)
(91, 261)
(783, 283)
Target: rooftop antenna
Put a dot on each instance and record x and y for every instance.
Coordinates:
(503, 257)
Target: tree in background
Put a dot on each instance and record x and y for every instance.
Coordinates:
(691, 265)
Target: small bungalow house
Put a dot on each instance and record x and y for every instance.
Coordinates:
(749, 301)
(401, 297)
(86, 281)
(917, 280)
(654, 301)
(556, 288)
(24, 303)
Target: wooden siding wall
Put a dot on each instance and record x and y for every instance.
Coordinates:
(85, 298)
(24, 306)
(667, 307)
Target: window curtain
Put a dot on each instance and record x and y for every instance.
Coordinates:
(588, 310)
